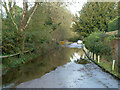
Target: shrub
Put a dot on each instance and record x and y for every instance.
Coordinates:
(95, 43)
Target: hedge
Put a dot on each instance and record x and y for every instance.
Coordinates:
(95, 43)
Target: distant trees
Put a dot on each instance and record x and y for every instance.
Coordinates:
(53, 19)
(62, 19)
(94, 16)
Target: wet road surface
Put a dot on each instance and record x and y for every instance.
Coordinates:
(58, 69)
(72, 75)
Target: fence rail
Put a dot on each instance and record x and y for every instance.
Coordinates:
(14, 54)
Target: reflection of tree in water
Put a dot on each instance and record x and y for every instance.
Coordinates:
(78, 53)
(40, 66)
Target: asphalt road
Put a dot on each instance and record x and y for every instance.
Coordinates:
(73, 75)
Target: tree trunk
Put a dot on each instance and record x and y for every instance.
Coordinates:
(23, 24)
(23, 19)
(14, 4)
(35, 7)
(10, 8)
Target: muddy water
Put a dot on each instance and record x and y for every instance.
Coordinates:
(58, 69)
(73, 75)
(39, 66)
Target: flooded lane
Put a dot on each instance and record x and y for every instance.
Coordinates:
(38, 66)
(59, 70)
(73, 75)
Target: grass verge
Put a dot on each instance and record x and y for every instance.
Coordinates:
(108, 66)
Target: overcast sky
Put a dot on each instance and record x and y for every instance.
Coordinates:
(74, 8)
(77, 6)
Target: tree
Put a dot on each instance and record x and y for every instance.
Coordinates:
(95, 16)
(20, 25)
(42, 25)
(24, 25)
(53, 19)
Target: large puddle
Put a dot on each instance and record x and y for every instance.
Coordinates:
(40, 66)
(59, 69)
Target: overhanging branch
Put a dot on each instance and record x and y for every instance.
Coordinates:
(36, 5)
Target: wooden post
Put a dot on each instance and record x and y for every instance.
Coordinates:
(94, 56)
(98, 59)
(90, 54)
(86, 51)
(83, 56)
(113, 65)
(84, 47)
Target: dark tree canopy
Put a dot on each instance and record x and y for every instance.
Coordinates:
(95, 16)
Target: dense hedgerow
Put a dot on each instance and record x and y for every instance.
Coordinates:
(95, 43)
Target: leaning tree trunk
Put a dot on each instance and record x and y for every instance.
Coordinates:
(24, 24)
(23, 19)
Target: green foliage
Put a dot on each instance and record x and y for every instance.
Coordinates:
(108, 66)
(49, 24)
(111, 37)
(95, 44)
(45, 25)
(15, 61)
(94, 16)
(49, 21)
(11, 37)
(113, 25)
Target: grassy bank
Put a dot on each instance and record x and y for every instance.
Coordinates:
(105, 65)
(108, 66)
(101, 44)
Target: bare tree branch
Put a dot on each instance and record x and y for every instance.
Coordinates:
(24, 15)
(5, 6)
(36, 5)
(9, 14)
(9, 4)
(13, 9)
(13, 21)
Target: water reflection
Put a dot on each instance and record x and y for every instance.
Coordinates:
(75, 57)
(41, 65)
